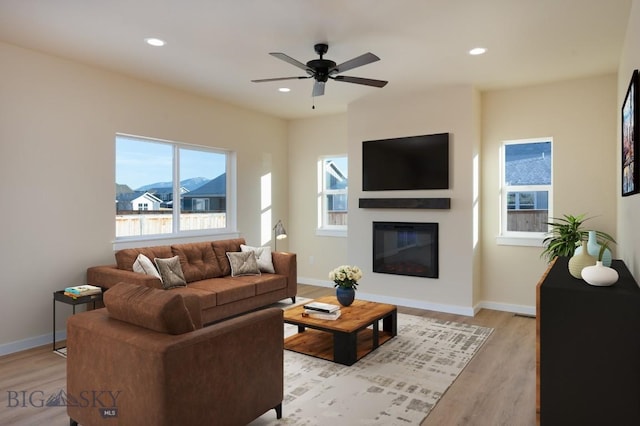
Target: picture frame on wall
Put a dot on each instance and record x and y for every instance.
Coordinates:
(630, 129)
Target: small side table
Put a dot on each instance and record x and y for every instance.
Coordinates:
(59, 296)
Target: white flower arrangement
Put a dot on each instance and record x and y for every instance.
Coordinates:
(346, 276)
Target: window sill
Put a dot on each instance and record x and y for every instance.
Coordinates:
(533, 241)
(191, 237)
(322, 232)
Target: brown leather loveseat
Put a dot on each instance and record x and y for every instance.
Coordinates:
(145, 359)
(209, 275)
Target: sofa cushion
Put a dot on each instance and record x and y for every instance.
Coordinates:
(198, 261)
(171, 272)
(144, 265)
(265, 283)
(228, 289)
(126, 257)
(155, 309)
(221, 248)
(243, 263)
(263, 255)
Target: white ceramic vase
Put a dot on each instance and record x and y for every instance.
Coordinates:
(599, 275)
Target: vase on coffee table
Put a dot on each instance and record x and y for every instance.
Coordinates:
(345, 295)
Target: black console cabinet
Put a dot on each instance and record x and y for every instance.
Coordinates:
(589, 349)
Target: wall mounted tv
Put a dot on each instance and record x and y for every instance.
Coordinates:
(413, 162)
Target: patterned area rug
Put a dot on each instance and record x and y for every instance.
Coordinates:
(288, 303)
(397, 384)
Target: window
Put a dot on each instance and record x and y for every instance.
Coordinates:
(526, 188)
(332, 193)
(168, 189)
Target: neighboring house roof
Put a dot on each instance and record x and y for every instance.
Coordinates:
(340, 179)
(529, 171)
(130, 196)
(166, 190)
(214, 188)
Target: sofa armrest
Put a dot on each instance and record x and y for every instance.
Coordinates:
(287, 264)
(228, 373)
(107, 276)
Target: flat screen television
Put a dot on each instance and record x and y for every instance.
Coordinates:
(407, 163)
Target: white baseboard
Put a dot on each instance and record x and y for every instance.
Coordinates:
(32, 342)
(46, 339)
(400, 301)
(508, 307)
(469, 311)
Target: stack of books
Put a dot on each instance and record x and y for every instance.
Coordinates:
(82, 290)
(325, 311)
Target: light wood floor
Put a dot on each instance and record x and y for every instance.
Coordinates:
(496, 388)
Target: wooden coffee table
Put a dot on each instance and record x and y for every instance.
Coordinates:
(347, 339)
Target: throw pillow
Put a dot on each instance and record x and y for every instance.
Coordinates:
(263, 255)
(144, 265)
(171, 272)
(243, 263)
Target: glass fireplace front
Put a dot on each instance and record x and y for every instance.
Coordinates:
(405, 248)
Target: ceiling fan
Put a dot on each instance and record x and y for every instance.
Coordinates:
(323, 69)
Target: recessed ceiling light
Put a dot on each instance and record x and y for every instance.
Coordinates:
(477, 51)
(284, 89)
(151, 41)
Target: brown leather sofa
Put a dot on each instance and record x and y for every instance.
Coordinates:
(207, 272)
(146, 360)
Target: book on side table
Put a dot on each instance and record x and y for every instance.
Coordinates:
(322, 315)
(82, 290)
(321, 307)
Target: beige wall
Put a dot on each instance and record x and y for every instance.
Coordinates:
(308, 140)
(629, 207)
(58, 121)
(581, 116)
(57, 125)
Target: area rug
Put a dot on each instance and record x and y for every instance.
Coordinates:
(397, 384)
(288, 303)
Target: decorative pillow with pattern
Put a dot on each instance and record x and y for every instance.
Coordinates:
(263, 256)
(243, 263)
(144, 265)
(171, 272)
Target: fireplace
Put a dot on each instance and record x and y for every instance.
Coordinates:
(404, 248)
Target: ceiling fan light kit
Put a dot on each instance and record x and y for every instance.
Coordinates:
(321, 70)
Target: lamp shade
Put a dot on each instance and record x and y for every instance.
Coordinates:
(279, 231)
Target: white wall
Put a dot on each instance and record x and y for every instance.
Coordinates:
(629, 207)
(58, 120)
(450, 110)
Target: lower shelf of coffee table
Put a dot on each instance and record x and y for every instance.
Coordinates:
(320, 343)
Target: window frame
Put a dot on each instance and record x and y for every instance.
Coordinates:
(230, 230)
(323, 228)
(521, 238)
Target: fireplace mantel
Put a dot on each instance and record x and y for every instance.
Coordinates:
(405, 203)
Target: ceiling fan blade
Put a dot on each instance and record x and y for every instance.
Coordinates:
(262, 80)
(359, 61)
(318, 89)
(290, 60)
(359, 80)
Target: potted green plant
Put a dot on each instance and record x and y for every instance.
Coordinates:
(566, 234)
